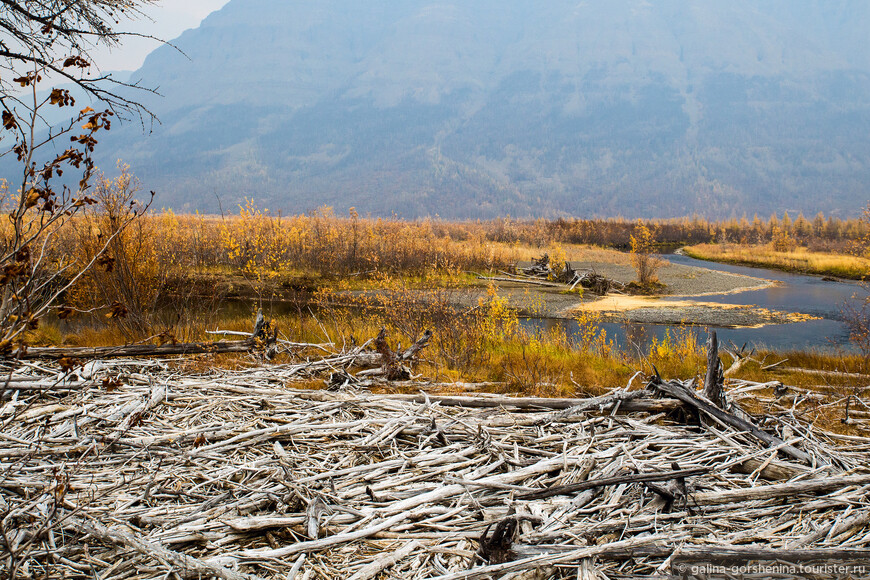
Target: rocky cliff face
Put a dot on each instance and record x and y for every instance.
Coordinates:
(483, 108)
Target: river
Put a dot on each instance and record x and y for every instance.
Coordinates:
(794, 293)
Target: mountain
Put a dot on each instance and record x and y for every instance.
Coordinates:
(483, 108)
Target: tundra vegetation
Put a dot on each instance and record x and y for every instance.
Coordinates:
(340, 279)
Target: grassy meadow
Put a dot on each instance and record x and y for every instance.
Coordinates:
(800, 260)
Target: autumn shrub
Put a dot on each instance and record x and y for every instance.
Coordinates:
(257, 247)
(535, 367)
(856, 315)
(194, 241)
(645, 264)
(591, 337)
(861, 244)
(463, 336)
(782, 240)
(130, 277)
(268, 249)
(678, 353)
(261, 246)
(857, 312)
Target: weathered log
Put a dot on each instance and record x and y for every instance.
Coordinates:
(743, 554)
(419, 345)
(779, 490)
(186, 566)
(569, 274)
(369, 571)
(835, 528)
(637, 405)
(599, 284)
(521, 281)
(771, 471)
(713, 555)
(259, 324)
(822, 373)
(540, 560)
(741, 358)
(539, 267)
(391, 362)
(616, 480)
(680, 392)
(135, 350)
(714, 381)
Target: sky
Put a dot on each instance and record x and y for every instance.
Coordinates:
(166, 20)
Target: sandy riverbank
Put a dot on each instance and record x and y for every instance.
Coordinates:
(680, 282)
(651, 310)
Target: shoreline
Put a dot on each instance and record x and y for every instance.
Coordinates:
(652, 310)
(667, 308)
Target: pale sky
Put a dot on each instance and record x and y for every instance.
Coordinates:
(166, 20)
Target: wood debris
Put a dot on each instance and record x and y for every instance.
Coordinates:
(237, 475)
(543, 272)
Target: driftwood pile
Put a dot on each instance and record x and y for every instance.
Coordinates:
(132, 470)
(542, 272)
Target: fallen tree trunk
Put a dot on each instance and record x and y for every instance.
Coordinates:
(682, 393)
(714, 381)
(823, 373)
(264, 336)
(391, 362)
(635, 405)
(521, 281)
(714, 555)
(771, 471)
(135, 350)
(425, 468)
(779, 490)
(616, 480)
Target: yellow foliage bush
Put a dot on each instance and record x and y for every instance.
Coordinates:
(642, 247)
(130, 276)
(497, 320)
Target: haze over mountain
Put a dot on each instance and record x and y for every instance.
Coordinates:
(482, 108)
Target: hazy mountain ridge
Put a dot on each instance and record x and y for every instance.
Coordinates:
(486, 108)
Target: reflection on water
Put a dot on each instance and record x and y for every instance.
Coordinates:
(821, 335)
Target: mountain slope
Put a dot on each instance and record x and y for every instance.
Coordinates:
(476, 109)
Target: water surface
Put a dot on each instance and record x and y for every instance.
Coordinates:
(793, 293)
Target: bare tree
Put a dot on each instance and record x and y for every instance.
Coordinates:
(44, 42)
(57, 36)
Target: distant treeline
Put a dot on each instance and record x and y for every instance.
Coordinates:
(820, 233)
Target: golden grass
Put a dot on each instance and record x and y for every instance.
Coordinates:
(397, 275)
(827, 410)
(798, 260)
